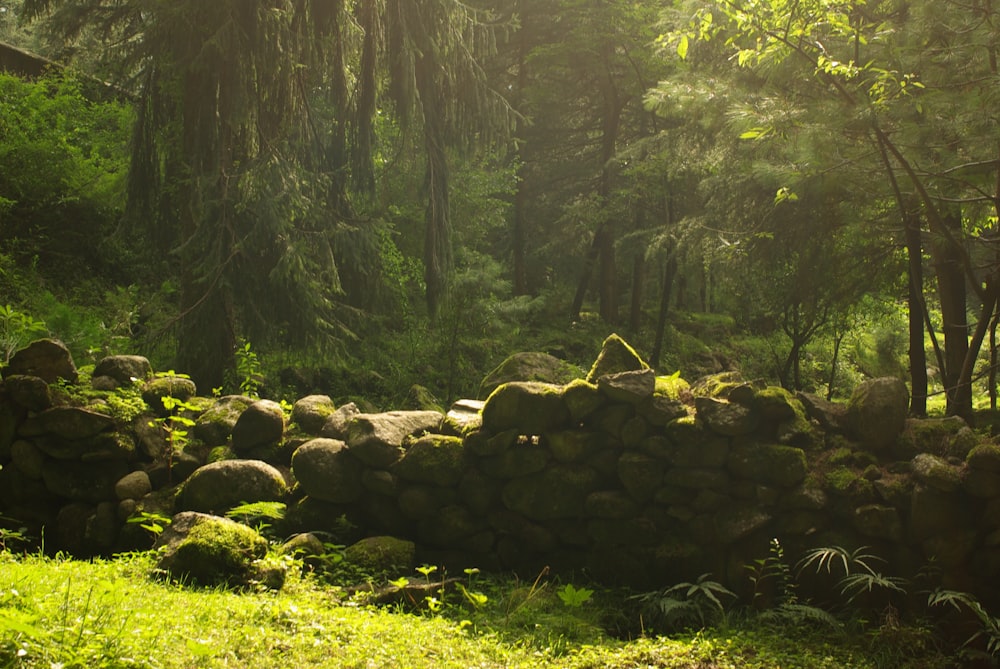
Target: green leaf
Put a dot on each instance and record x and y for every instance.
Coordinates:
(682, 47)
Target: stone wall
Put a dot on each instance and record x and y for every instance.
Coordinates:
(629, 477)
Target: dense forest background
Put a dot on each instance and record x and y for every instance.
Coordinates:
(354, 197)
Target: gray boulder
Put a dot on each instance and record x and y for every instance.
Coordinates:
(877, 412)
(215, 425)
(211, 551)
(529, 366)
(377, 439)
(47, 359)
(327, 470)
(262, 424)
(29, 392)
(219, 486)
(530, 408)
(124, 369)
(336, 425)
(66, 423)
(615, 356)
(312, 412)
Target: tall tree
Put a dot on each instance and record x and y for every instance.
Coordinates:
(908, 93)
(225, 165)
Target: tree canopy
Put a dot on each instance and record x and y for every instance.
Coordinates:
(302, 171)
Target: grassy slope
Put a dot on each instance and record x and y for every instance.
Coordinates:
(56, 613)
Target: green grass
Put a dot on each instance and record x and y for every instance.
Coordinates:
(65, 614)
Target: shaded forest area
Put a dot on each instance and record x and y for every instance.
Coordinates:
(354, 197)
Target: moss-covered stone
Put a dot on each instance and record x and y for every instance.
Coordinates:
(382, 555)
(849, 484)
(419, 501)
(420, 398)
(985, 457)
(769, 464)
(877, 412)
(737, 522)
(216, 424)
(210, 550)
(935, 513)
(529, 366)
(530, 408)
(936, 436)
(156, 389)
(729, 419)
(556, 492)
(878, 521)
(312, 412)
(615, 356)
(449, 527)
(326, 470)
(672, 387)
(611, 504)
(261, 425)
(640, 475)
(634, 387)
(717, 386)
(572, 445)
(433, 458)
(218, 487)
(936, 472)
(582, 399)
(377, 439)
(522, 459)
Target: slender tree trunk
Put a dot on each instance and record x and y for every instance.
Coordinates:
(838, 339)
(519, 210)
(661, 319)
(585, 274)
(915, 316)
(916, 312)
(638, 276)
(952, 293)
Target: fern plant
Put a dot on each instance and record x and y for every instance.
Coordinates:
(989, 631)
(775, 593)
(860, 576)
(685, 605)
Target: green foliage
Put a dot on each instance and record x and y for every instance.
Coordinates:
(859, 573)
(686, 605)
(989, 631)
(259, 515)
(574, 597)
(248, 369)
(154, 523)
(126, 404)
(17, 330)
(62, 170)
(175, 424)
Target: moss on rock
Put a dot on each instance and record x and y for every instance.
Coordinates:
(380, 555)
(530, 408)
(210, 550)
(615, 356)
(433, 458)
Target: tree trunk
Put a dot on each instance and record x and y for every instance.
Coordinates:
(915, 315)
(638, 276)
(955, 326)
(584, 283)
(661, 320)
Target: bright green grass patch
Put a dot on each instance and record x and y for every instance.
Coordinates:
(110, 614)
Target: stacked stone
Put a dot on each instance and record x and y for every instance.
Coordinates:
(636, 478)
